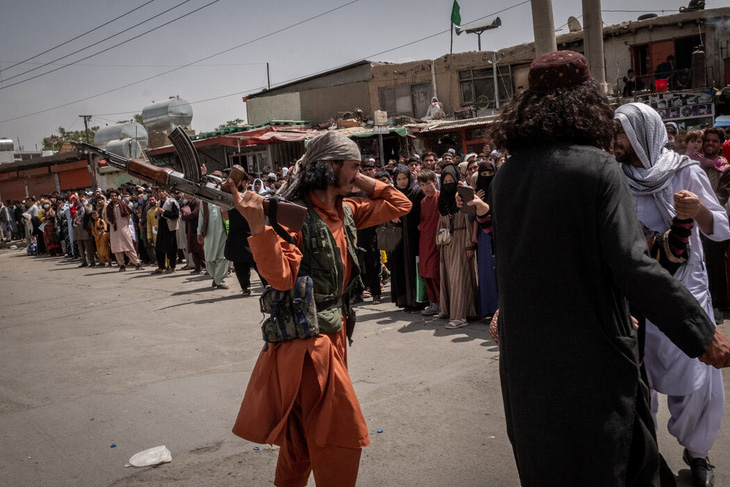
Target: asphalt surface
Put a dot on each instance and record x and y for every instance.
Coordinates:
(97, 365)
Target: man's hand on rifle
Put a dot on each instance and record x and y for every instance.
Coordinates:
(251, 206)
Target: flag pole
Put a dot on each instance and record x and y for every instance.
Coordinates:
(451, 49)
(455, 19)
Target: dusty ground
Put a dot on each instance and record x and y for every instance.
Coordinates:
(91, 358)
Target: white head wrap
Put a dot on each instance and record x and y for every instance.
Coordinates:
(262, 190)
(645, 130)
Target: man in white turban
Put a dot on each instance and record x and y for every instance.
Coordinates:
(662, 184)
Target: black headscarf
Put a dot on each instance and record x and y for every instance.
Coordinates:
(412, 187)
(447, 195)
(483, 182)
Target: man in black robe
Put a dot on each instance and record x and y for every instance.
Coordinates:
(570, 251)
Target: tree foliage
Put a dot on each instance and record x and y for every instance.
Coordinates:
(228, 124)
(66, 135)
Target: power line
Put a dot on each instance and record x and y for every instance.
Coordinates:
(104, 40)
(368, 56)
(177, 69)
(148, 65)
(97, 117)
(639, 11)
(80, 35)
(246, 43)
(342, 65)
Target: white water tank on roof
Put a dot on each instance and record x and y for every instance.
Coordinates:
(128, 130)
(6, 144)
(125, 148)
(168, 114)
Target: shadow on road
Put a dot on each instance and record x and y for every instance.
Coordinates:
(204, 301)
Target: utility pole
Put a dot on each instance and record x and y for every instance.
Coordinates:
(495, 78)
(593, 41)
(544, 27)
(268, 76)
(90, 158)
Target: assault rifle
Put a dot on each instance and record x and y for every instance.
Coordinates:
(205, 187)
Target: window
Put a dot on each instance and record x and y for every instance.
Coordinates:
(397, 100)
(477, 86)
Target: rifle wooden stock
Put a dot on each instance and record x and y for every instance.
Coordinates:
(290, 215)
(148, 172)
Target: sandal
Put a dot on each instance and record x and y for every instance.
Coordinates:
(246, 292)
(454, 324)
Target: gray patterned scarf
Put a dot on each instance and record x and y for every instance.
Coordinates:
(645, 130)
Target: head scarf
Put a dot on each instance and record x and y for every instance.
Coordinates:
(645, 130)
(262, 188)
(412, 186)
(447, 195)
(74, 204)
(330, 146)
(483, 182)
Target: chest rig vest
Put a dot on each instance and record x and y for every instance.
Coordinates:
(323, 263)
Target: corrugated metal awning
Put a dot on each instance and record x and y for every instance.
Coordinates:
(452, 125)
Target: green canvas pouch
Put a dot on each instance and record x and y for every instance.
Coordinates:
(289, 314)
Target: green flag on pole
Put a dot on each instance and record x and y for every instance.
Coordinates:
(455, 14)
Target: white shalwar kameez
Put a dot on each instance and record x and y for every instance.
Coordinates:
(696, 396)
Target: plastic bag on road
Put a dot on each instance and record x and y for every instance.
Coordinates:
(153, 456)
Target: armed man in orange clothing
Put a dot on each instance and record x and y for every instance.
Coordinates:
(300, 395)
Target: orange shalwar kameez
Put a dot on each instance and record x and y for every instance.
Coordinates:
(300, 396)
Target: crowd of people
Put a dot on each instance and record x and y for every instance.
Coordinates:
(136, 225)
(133, 225)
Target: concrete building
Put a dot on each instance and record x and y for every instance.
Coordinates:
(7, 156)
(465, 82)
(317, 98)
(64, 171)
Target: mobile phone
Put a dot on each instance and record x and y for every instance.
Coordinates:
(467, 194)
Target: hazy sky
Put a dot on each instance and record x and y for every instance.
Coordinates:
(351, 31)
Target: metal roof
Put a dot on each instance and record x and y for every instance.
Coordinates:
(315, 76)
(42, 161)
(451, 125)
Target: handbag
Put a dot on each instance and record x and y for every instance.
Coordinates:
(173, 224)
(444, 236)
(389, 236)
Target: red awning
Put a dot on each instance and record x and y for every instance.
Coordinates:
(264, 136)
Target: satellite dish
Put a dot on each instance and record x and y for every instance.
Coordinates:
(574, 24)
(483, 102)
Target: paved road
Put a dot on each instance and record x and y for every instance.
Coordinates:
(91, 358)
